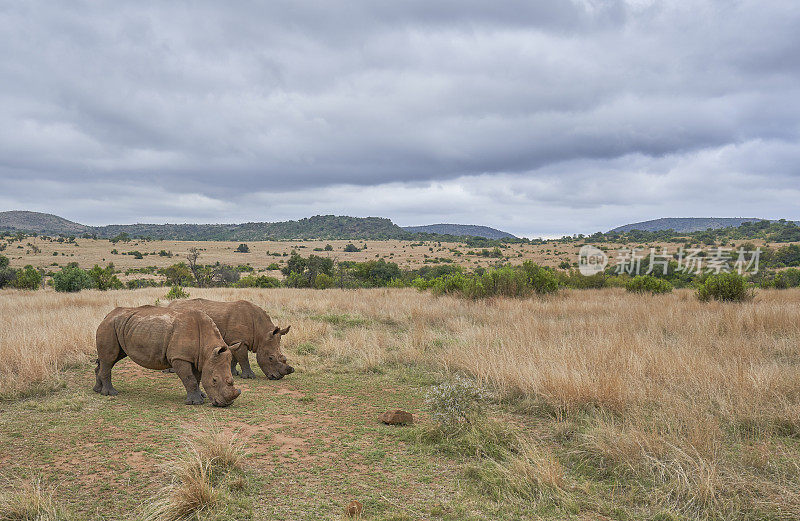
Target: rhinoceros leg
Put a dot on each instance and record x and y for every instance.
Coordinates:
(199, 377)
(186, 373)
(103, 378)
(234, 372)
(244, 362)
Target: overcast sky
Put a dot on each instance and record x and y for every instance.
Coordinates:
(540, 118)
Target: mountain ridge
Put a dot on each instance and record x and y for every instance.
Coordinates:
(316, 227)
(472, 230)
(686, 224)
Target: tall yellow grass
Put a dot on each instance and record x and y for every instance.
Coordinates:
(670, 383)
(603, 348)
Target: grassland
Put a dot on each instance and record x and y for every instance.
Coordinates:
(407, 254)
(605, 405)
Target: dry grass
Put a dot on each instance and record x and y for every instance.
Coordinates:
(196, 473)
(29, 502)
(679, 393)
(89, 252)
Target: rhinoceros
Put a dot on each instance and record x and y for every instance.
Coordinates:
(158, 338)
(243, 321)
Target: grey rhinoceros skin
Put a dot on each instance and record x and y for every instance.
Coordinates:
(158, 338)
(243, 321)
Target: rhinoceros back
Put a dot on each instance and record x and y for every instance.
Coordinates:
(145, 334)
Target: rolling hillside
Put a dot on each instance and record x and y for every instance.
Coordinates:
(686, 224)
(460, 229)
(40, 223)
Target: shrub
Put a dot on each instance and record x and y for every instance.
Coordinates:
(350, 247)
(251, 281)
(104, 278)
(71, 278)
(646, 283)
(508, 281)
(27, 278)
(223, 275)
(787, 279)
(142, 283)
(175, 293)
(456, 402)
(177, 274)
(7, 274)
(242, 248)
(542, 280)
(725, 287)
(323, 281)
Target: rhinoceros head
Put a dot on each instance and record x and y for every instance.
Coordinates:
(269, 356)
(217, 378)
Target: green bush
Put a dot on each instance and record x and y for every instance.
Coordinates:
(104, 278)
(273, 266)
(7, 274)
(787, 279)
(517, 281)
(251, 281)
(542, 280)
(176, 292)
(177, 275)
(725, 287)
(71, 278)
(142, 283)
(27, 278)
(648, 284)
(323, 281)
(243, 248)
(350, 247)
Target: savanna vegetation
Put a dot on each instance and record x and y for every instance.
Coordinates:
(584, 404)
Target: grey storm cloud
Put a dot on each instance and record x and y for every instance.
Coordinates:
(536, 117)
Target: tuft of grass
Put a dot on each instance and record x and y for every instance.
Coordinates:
(306, 348)
(197, 475)
(341, 320)
(529, 473)
(30, 502)
(72, 402)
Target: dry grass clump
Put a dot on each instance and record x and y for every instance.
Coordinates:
(30, 502)
(197, 474)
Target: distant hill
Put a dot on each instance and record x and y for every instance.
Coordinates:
(686, 224)
(471, 230)
(40, 223)
(317, 227)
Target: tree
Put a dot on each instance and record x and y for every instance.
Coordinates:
(177, 274)
(243, 248)
(104, 278)
(27, 278)
(192, 257)
(71, 278)
(122, 237)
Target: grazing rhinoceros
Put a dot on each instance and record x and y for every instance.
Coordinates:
(157, 338)
(244, 322)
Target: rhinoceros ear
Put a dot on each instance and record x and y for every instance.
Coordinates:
(235, 347)
(218, 351)
(276, 331)
(285, 330)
